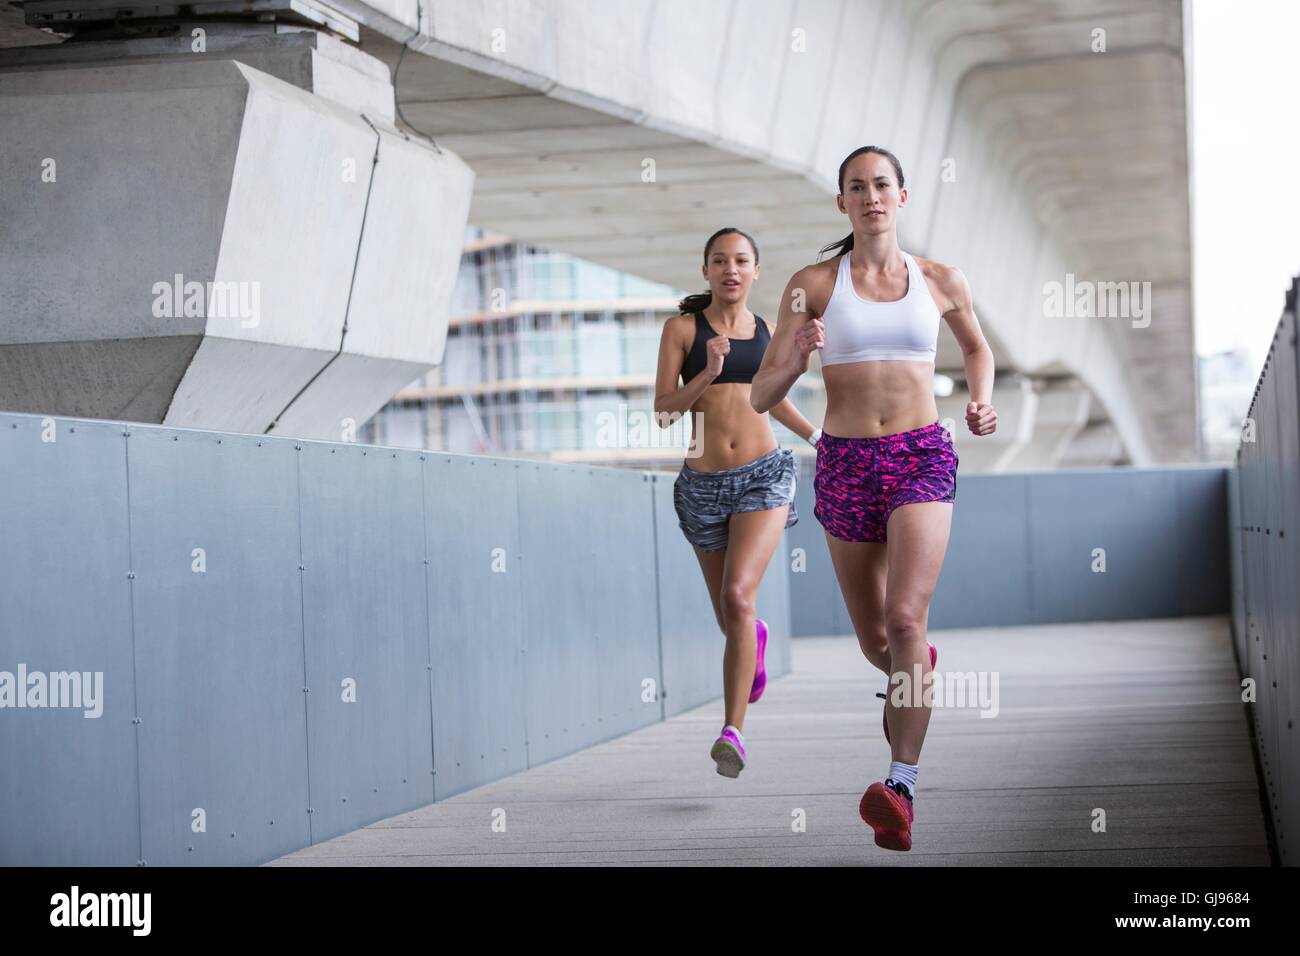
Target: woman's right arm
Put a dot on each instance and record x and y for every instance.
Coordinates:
(668, 397)
(798, 333)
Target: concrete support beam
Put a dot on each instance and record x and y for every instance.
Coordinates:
(316, 245)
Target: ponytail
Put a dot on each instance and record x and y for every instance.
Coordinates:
(695, 303)
(842, 248)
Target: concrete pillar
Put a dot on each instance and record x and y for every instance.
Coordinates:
(236, 238)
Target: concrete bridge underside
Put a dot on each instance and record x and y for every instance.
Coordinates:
(1066, 161)
(1041, 141)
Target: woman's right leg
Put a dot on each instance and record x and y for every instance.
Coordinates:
(712, 563)
(862, 568)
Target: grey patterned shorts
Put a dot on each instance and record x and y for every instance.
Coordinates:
(706, 500)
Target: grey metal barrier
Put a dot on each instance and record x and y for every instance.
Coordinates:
(1055, 547)
(219, 648)
(1264, 499)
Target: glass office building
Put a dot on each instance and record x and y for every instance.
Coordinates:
(550, 356)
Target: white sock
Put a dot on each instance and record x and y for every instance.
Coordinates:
(904, 773)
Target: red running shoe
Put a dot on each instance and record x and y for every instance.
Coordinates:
(884, 718)
(887, 809)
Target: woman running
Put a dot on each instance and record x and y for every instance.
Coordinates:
(736, 496)
(886, 468)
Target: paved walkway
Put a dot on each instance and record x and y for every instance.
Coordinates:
(1141, 719)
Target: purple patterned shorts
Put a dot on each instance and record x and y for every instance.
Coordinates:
(860, 481)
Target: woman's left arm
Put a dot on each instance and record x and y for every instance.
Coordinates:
(977, 357)
(789, 416)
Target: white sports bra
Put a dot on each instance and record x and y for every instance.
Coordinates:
(859, 330)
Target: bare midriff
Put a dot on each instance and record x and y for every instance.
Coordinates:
(882, 397)
(727, 428)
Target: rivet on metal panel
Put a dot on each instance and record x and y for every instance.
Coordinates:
(131, 575)
(310, 810)
(302, 567)
(135, 720)
(126, 433)
(421, 458)
(219, 442)
(141, 863)
(428, 667)
(297, 447)
(426, 560)
(306, 690)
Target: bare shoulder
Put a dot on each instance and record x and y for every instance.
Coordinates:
(948, 281)
(680, 322)
(680, 328)
(818, 274)
(817, 282)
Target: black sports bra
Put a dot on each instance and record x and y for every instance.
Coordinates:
(740, 364)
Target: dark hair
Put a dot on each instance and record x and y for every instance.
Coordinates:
(846, 244)
(701, 301)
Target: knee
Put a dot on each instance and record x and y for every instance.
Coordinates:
(874, 642)
(737, 602)
(904, 624)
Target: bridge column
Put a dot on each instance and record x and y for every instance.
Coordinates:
(219, 229)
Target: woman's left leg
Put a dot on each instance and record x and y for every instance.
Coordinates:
(917, 541)
(751, 539)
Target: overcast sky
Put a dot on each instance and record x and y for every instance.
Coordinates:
(1245, 169)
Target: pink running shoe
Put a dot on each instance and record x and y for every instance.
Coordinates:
(760, 667)
(887, 809)
(729, 754)
(934, 658)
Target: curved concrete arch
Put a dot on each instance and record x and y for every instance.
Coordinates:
(626, 133)
(748, 131)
